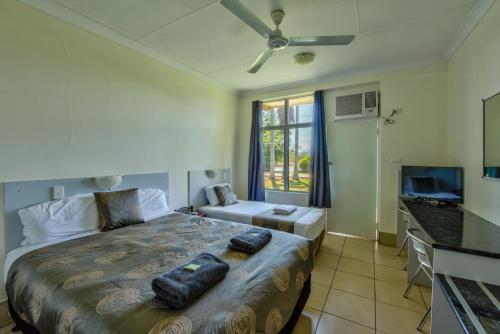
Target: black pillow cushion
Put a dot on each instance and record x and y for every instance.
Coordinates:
(118, 209)
(225, 195)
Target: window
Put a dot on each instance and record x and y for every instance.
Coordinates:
(286, 143)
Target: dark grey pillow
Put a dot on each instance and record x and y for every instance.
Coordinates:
(118, 209)
(225, 195)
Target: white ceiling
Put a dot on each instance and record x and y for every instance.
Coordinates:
(205, 37)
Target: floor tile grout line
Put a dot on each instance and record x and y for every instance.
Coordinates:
(353, 293)
(329, 289)
(354, 322)
(422, 299)
(331, 283)
(323, 311)
(400, 307)
(348, 272)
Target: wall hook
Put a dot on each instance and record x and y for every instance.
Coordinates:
(390, 120)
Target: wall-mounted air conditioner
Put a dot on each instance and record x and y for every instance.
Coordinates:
(358, 105)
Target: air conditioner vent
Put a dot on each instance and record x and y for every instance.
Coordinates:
(349, 105)
(358, 105)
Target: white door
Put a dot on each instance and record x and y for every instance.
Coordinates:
(352, 151)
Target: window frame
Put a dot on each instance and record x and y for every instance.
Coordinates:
(286, 140)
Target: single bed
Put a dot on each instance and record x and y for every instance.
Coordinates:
(309, 223)
(100, 282)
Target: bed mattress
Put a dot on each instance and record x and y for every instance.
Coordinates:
(310, 226)
(103, 281)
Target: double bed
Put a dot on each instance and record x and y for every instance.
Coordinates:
(100, 282)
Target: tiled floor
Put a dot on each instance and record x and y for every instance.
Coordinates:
(357, 288)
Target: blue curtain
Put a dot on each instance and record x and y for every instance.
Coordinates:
(319, 185)
(255, 165)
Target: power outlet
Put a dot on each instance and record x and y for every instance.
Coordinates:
(57, 192)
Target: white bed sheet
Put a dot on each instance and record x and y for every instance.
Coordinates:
(310, 225)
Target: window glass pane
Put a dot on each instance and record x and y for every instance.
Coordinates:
(300, 110)
(299, 159)
(273, 155)
(273, 113)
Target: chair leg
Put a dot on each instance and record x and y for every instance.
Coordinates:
(424, 319)
(413, 280)
(402, 246)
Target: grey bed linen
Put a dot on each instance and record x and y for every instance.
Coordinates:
(274, 221)
(102, 283)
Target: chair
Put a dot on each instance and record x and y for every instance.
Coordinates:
(406, 219)
(425, 266)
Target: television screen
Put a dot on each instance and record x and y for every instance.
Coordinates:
(440, 183)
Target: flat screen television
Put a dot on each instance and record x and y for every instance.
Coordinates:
(439, 183)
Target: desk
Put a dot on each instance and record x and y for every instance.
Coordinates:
(464, 245)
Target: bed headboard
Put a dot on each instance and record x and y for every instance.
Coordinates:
(199, 179)
(18, 195)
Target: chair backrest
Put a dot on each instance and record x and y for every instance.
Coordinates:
(405, 216)
(421, 247)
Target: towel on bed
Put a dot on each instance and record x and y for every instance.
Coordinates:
(284, 209)
(181, 285)
(250, 241)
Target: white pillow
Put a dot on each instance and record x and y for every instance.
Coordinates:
(54, 220)
(212, 198)
(153, 203)
(50, 221)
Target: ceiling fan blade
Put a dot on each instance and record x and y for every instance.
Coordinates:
(320, 40)
(238, 9)
(261, 60)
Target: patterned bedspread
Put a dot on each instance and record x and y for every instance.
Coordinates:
(102, 283)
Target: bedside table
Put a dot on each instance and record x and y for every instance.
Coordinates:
(189, 211)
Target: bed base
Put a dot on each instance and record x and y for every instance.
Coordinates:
(21, 325)
(318, 241)
(25, 328)
(299, 307)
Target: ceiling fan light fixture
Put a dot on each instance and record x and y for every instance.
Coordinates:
(304, 58)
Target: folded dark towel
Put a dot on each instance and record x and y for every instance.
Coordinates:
(181, 285)
(250, 241)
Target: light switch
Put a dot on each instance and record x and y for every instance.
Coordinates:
(395, 160)
(57, 192)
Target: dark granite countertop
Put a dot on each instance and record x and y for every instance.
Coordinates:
(475, 304)
(457, 229)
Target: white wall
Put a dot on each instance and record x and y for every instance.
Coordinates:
(73, 104)
(474, 74)
(418, 137)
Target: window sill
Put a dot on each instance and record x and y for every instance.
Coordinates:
(286, 192)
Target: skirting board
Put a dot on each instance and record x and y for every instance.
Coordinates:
(387, 239)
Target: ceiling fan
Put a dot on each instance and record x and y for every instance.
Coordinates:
(275, 39)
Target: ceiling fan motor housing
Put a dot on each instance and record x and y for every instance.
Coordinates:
(276, 41)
